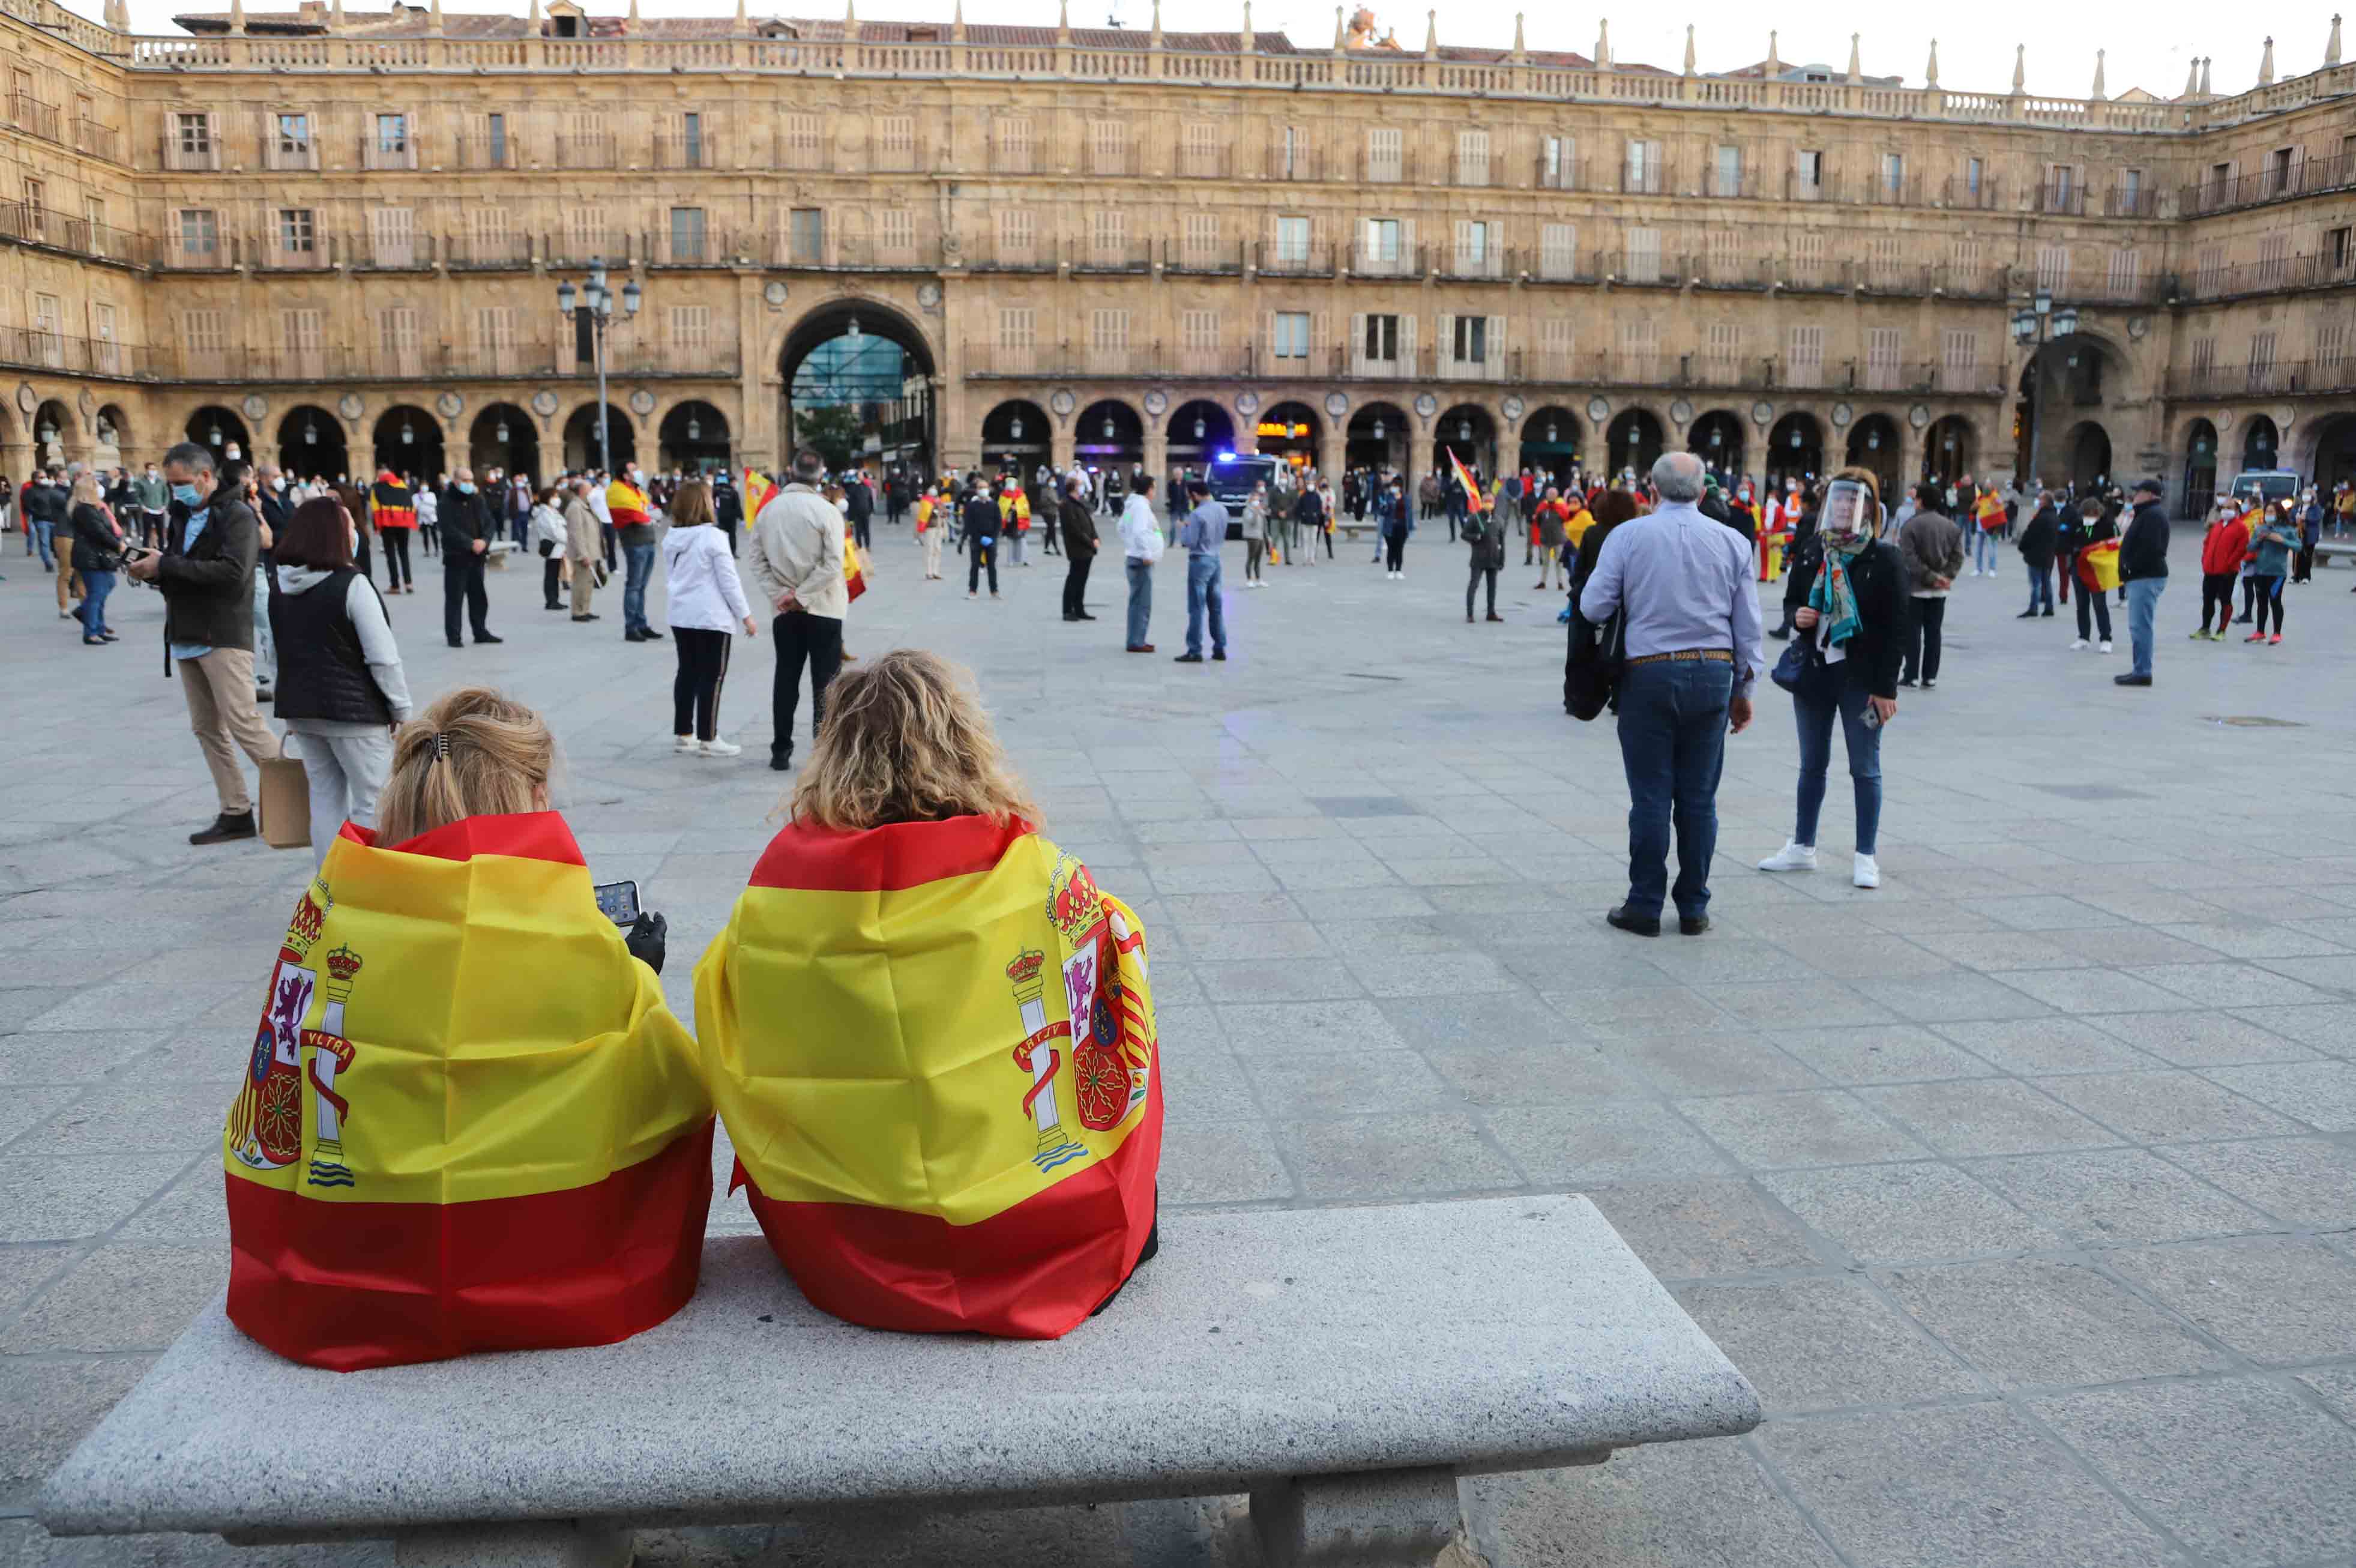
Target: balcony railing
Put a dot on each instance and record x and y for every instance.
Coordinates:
(282, 156)
(594, 151)
(538, 359)
(995, 253)
(378, 153)
(1301, 261)
(678, 151)
(1653, 180)
(1204, 163)
(29, 113)
(1487, 262)
(179, 156)
(1223, 261)
(578, 248)
(387, 252)
(2063, 198)
(485, 151)
(312, 255)
(2293, 378)
(1380, 262)
(98, 141)
(2305, 176)
(1370, 169)
(2272, 275)
(101, 242)
(1295, 164)
(1117, 161)
(2124, 201)
(1960, 193)
(1881, 190)
(34, 348)
(1479, 173)
(487, 252)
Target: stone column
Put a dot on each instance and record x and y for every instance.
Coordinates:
(1062, 437)
(1157, 457)
(1333, 443)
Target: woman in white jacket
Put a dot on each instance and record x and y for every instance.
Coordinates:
(707, 605)
(546, 533)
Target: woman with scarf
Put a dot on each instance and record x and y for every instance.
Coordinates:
(1846, 595)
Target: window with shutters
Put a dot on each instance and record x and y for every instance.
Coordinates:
(1726, 171)
(1893, 176)
(199, 234)
(1476, 249)
(1559, 251)
(1202, 239)
(2126, 271)
(687, 233)
(302, 338)
(1018, 236)
(586, 143)
(1959, 360)
(494, 338)
(1292, 156)
(290, 142)
(1469, 342)
(392, 236)
(2053, 268)
(1380, 347)
(805, 235)
(495, 141)
(1382, 247)
(2204, 363)
(803, 143)
(1808, 174)
(490, 233)
(1640, 349)
(1018, 338)
(389, 144)
(49, 329)
(2274, 262)
(1109, 236)
(690, 334)
(1803, 365)
(1887, 259)
(1013, 145)
(586, 234)
(2262, 361)
(1963, 261)
(192, 145)
(1384, 154)
(1724, 248)
(1558, 162)
(1644, 170)
(203, 341)
(1974, 176)
(1884, 367)
(297, 235)
(1200, 151)
(1107, 146)
(1293, 241)
(1557, 342)
(2211, 273)
(1289, 336)
(36, 205)
(1641, 259)
(106, 347)
(1472, 157)
(895, 142)
(895, 234)
(1722, 351)
(690, 141)
(1198, 341)
(1808, 259)
(397, 340)
(2330, 351)
(1109, 341)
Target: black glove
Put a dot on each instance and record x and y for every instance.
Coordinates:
(647, 936)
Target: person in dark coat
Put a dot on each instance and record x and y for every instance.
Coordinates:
(1485, 532)
(1079, 531)
(467, 526)
(1847, 593)
(2038, 544)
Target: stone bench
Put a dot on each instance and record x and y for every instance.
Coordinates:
(2326, 551)
(495, 558)
(1343, 1367)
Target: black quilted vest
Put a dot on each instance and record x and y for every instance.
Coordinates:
(322, 673)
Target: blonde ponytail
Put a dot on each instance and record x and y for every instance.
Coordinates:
(474, 753)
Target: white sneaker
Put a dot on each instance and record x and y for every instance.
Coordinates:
(1793, 856)
(2080, 646)
(1865, 872)
(684, 745)
(2106, 647)
(716, 747)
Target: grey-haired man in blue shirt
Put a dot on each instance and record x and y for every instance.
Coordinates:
(1687, 584)
(1200, 535)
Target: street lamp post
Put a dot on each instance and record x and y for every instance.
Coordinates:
(597, 300)
(2034, 325)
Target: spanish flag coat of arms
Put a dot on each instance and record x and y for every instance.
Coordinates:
(932, 1045)
(467, 1121)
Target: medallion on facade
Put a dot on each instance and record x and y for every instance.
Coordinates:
(775, 292)
(1336, 404)
(1918, 416)
(929, 296)
(350, 406)
(1842, 414)
(1761, 411)
(1063, 402)
(1599, 409)
(543, 403)
(450, 405)
(1512, 408)
(28, 400)
(1681, 411)
(642, 402)
(256, 405)
(1248, 405)
(1426, 404)
(1155, 401)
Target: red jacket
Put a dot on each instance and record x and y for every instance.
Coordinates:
(2224, 546)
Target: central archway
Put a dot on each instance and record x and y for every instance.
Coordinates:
(2199, 487)
(871, 363)
(503, 436)
(311, 443)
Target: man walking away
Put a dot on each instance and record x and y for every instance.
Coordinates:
(206, 572)
(1931, 546)
(727, 507)
(1485, 533)
(1686, 584)
(859, 504)
(2036, 547)
(392, 512)
(1140, 546)
(1205, 529)
(467, 526)
(979, 521)
(627, 504)
(797, 562)
(1079, 546)
(2143, 572)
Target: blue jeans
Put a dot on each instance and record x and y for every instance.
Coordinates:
(2040, 588)
(42, 533)
(1141, 600)
(1983, 546)
(1203, 592)
(95, 587)
(2143, 605)
(1673, 745)
(1822, 691)
(639, 564)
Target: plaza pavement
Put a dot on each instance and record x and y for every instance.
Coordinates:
(2024, 1187)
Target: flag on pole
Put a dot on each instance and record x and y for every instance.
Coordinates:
(1474, 501)
(932, 1045)
(426, 1159)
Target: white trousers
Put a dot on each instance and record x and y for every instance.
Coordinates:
(347, 773)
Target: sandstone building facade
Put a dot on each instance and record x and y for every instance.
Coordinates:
(336, 236)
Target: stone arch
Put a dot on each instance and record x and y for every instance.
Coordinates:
(1725, 455)
(913, 420)
(1633, 440)
(2087, 453)
(1795, 448)
(56, 433)
(408, 441)
(2199, 487)
(1469, 430)
(693, 435)
(1951, 448)
(222, 432)
(311, 443)
(1016, 438)
(580, 429)
(1550, 441)
(1875, 445)
(1284, 419)
(2261, 442)
(1109, 434)
(111, 435)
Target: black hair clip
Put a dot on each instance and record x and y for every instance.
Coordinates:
(441, 746)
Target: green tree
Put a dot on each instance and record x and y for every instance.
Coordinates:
(835, 432)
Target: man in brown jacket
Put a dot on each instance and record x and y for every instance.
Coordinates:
(1933, 548)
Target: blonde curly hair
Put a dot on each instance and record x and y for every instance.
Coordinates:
(906, 740)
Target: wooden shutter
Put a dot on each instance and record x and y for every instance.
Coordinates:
(1495, 348)
(1447, 349)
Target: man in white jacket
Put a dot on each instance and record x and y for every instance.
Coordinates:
(796, 567)
(1140, 542)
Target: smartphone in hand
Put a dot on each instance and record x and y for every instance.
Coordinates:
(618, 902)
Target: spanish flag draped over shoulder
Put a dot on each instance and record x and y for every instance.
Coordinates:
(389, 503)
(628, 504)
(933, 1044)
(468, 1121)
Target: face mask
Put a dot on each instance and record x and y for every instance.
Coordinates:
(465, 489)
(186, 495)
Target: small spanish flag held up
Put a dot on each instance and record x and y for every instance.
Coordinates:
(757, 491)
(933, 1044)
(467, 1121)
(855, 571)
(1473, 499)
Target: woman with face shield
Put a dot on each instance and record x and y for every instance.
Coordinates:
(1847, 598)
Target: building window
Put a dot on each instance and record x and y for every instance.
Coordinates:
(1202, 238)
(1471, 340)
(295, 139)
(199, 231)
(2339, 245)
(1884, 361)
(1805, 363)
(1975, 171)
(1645, 167)
(2061, 187)
(104, 329)
(1893, 174)
(295, 235)
(1473, 248)
(1959, 360)
(1558, 162)
(396, 336)
(1198, 329)
(1017, 233)
(687, 233)
(392, 136)
(1725, 252)
(1557, 342)
(1109, 235)
(1201, 148)
(1292, 153)
(394, 230)
(805, 235)
(690, 141)
(202, 339)
(1726, 172)
(1559, 251)
(1382, 339)
(1640, 349)
(1014, 145)
(1108, 146)
(2279, 169)
(2126, 267)
(690, 331)
(895, 142)
(36, 205)
(494, 137)
(895, 230)
(1472, 157)
(194, 135)
(1810, 174)
(1384, 154)
(1642, 260)
(2274, 262)
(2131, 190)
(1383, 245)
(2053, 268)
(1108, 330)
(1293, 241)
(1289, 339)
(1017, 328)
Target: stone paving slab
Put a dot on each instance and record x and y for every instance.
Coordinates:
(2023, 1187)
